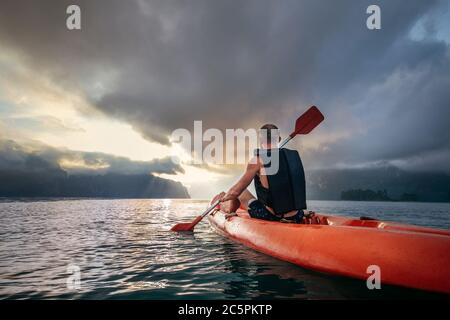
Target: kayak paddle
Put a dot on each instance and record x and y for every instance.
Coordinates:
(304, 125)
(189, 226)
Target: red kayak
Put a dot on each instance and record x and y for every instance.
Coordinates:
(408, 256)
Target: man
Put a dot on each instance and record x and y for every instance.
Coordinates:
(280, 192)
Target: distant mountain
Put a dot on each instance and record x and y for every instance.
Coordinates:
(365, 195)
(28, 173)
(57, 183)
(399, 184)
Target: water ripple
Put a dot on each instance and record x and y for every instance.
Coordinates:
(124, 250)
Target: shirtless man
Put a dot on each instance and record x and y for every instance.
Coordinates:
(280, 195)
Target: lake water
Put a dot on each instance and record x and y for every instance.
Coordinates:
(124, 250)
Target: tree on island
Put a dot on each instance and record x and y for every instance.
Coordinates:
(370, 195)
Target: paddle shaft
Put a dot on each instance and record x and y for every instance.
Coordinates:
(285, 141)
(210, 208)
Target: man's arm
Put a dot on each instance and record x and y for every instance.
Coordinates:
(250, 172)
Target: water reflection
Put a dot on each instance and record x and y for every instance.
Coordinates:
(257, 277)
(125, 251)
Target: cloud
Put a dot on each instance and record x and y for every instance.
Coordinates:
(160, 65)
(42, 123)
(32, 157)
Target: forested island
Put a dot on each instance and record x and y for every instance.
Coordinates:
(368, 184)
(57, 183)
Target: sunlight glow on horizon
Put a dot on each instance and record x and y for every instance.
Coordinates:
(36, 110)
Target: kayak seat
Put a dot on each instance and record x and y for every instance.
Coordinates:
(312, 217)
(364, 223)
(324, 221)
(318, 220)
(286, 221)
(366, 218)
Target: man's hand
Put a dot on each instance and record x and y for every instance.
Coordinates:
(230, 195)
(218, 197)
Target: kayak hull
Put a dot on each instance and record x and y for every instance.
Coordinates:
(406, 255)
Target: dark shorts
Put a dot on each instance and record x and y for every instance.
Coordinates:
(258, 210)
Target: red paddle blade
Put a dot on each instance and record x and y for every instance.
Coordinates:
(308, 121)
(188, 226)
(182, 227)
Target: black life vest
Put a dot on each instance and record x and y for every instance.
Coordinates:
(287, 191)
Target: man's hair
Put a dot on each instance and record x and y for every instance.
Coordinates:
(268, 127)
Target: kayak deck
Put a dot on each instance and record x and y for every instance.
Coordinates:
(367, 223)
(409, 256)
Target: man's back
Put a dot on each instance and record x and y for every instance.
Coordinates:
(280, 184)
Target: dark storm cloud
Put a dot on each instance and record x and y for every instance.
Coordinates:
(34, 157)
(159, 65)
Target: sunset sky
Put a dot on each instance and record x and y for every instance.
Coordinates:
(107, 97)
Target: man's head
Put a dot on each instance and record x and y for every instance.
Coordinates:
(269, 135)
